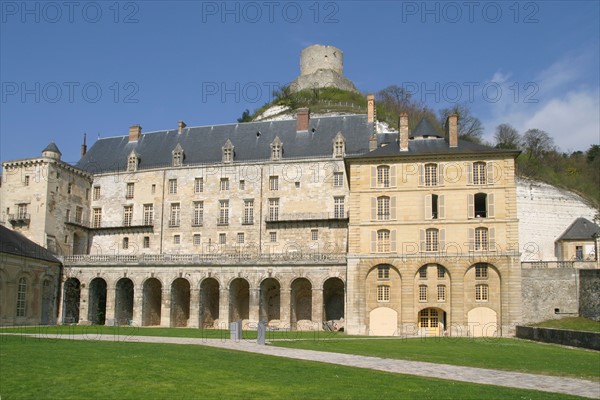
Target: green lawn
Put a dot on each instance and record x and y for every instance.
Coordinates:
(571, 323)
(43, 368)
(494, 353)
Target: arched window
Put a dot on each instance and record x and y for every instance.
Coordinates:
(276, 149)
(21, 297)
(228, 153)
(479, 173)
(132, 162)
(383, 176)
(383, 208)
(423, 272)
(339, 145)
(383, 241)
(383, 272)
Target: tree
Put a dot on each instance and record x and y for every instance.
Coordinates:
(593, 153)
(536, 143)
(507, 137)
(395, 99)
(469, 126)
(246, 117)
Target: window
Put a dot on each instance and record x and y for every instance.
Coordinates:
(383, 208)
(383, 176)
(431, 239)
(422, 292)
(68, 216)
(178, 156)
(87, 194)
(339, 145)
(481, 292)
(297, 185)
(223, 212)
(177, 239)
(383, 293)
(242, 184)
(423, 272)
(579, 253)
(153, 189)
(338, 179)
(481, 271)
(383, 272)
(479, 173)
(480, 205)
(26, 181)
(127, 215)
(146, 242)
(198, 219)
(273, 209)
(125, 243)
(481, 238)
(434, 206)
(69, 188)
(273, 183)
(228, 152)
(276, 149)
(172, 186)
(441, 292)
(174, 217)
(198, 185)
(96, 192)
(240, 237)
(338, 207)
(196, 239)
(97, 222)
(129, 192)
(441, 272)
(383, 241)
(314, 234)
(273, 237)
(78, 214)
(222, 238)
(148, 214)
(22, 211)
(248, 212)
(132, 162)
(431, 175)
(224, 184)
(21, 297)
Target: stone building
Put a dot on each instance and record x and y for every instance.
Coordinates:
(322, 67)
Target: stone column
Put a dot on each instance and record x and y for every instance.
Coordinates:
(194, 321)
(165, 312)
(285, 308)
(253, 306)
(84, 297)
(317, 307)
(110, 306)
(224, 308)
(138, 299)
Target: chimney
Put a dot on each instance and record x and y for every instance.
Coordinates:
(302, 118)
(403, 131)
(371, 108)
(135, 132)
(180, 126)
(452, 130)
(373, 142)
(83, 146)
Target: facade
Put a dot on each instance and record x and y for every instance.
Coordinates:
(579, 242)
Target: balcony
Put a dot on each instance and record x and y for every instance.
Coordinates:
(112, 225)
(19, 219)
(297, 217)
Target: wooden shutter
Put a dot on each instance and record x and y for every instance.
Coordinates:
(471, 206)
(471, 239)
(421, 175)
(422, 239)
(490, 172)
(373, 241)
(492, 239)
(373, 177)
(442, 240)
(440, 170)
(441, 207)
(393, 207)
(469, 173)
(393, 241)
(428, 206)
(393, 176)
(373, 208)
(490, 205)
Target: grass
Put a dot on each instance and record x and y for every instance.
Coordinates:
(495, 353)
(571, 323)
(65, 369)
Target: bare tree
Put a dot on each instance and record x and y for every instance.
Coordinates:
(507, 137)
(469, 126)
(536, 143)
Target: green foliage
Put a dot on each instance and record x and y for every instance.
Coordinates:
(246, 117)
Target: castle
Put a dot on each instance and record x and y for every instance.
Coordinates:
(306, 223)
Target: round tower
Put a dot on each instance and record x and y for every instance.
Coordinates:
(52, 151)
(319, 57)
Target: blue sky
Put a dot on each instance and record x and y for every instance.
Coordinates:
(100, 67)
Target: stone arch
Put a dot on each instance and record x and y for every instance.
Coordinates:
(482, 321)
(383, 292)
(270, 300)
(301, 301)
(475, 286)
(180, 302)
(48, 301)
(152, 302)
(239, 299)
(71, 300)
(431, 321)
(124, 290)
(334, 298)
(97, 301)
(209, 302)
(383, 321)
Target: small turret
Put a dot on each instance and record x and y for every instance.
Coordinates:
(52, 151)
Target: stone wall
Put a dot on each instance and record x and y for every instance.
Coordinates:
(589, 294)
(588, 340)
(544, 290)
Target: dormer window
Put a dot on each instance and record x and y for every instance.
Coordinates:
(339, 145)
(276, 149)
(228, 152)
(132, 162)
(178, 156)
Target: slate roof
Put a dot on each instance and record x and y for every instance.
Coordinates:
(12, 242)
(252, 141)
(424, 128)
(52, 147)
(580, 229)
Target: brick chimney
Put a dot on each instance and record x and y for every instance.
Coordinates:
(83, 146)
(371, 108)
(180, 126)
(403, 131)
(452, 130)
(373, 142)
(302, 119)
(135, 132)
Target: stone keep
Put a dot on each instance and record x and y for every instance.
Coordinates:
(321, 67)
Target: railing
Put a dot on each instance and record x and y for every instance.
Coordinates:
(558, 264)
(111, 224)
(307, 217)
(208, 259)
(20, 218)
